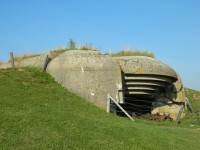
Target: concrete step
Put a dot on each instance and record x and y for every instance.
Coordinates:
(146, 78)
(149, 83)
(129, 88)
(139, 92)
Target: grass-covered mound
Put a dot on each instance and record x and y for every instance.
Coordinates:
(37, 113)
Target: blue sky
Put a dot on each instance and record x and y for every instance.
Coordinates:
(168, 28)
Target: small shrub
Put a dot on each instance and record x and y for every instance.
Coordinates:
(71, 44)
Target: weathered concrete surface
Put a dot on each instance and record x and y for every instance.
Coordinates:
(145, 65)
(87, 73)
(164, 102)
(37, 61)
(163, 108)
(178, 94)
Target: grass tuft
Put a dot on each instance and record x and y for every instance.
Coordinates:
(133, 53)
(56, 52)
(88, 47)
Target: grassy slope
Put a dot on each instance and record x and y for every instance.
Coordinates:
(37, 113)
(194, 97)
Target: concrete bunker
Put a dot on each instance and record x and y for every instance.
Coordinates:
(141, 85)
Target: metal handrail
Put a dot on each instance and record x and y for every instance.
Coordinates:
(109, 98)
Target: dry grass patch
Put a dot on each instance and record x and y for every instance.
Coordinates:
(136, 52)
(20, 58)
(87, 47)
(56, 52)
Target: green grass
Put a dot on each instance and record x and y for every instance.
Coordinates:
(193, 119)
(133, 53)
(194, 98)
(37, 113)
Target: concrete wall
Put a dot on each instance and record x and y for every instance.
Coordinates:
(37, 61)
(87, 73)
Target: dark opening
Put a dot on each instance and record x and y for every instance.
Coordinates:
(139, 92)
(136, 106)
